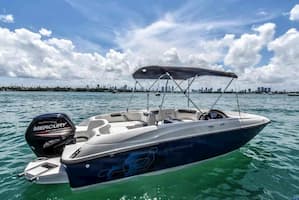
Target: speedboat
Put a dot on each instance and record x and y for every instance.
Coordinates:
(293, 94)
(114, 146)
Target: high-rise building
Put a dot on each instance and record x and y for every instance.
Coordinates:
(263, 90)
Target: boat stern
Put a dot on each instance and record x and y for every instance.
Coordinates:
(45, 171)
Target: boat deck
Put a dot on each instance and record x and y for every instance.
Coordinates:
(124, 121)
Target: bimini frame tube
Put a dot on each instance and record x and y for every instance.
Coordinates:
(188, 89)
(229, 83)
(149, 89)
(183, 92)
(176, 73)
(164, 93)
(186, 92)
(131, 97)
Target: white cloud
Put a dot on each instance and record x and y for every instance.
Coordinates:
(186, 37)
(171, 56)
(294, 13)
(194, 42)
(162, 43)
(245, 51)
(210, 51)
(45, 32)
(7, 18)
(24, 53)
(168, 40)
(283, 68)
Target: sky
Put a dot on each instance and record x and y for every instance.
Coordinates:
(75, 43)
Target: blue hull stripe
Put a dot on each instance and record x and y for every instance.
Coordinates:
(161, 156)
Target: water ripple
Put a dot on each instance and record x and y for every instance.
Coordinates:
(266, 168)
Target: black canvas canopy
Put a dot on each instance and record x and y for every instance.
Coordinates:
(179, 73)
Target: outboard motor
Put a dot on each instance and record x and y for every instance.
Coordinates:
(48, 134)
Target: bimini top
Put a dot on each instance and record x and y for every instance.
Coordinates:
(180, 73)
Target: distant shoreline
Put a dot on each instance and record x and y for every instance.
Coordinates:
(117, 90)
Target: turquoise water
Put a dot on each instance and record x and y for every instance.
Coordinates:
(266, 168)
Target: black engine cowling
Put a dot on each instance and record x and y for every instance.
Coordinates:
(48, 134)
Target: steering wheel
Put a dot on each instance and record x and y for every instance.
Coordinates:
(212, 114)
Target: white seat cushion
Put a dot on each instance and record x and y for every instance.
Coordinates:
(117, 127)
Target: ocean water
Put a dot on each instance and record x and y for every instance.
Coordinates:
(265, 168)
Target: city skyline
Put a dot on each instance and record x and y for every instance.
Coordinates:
(159, 89)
